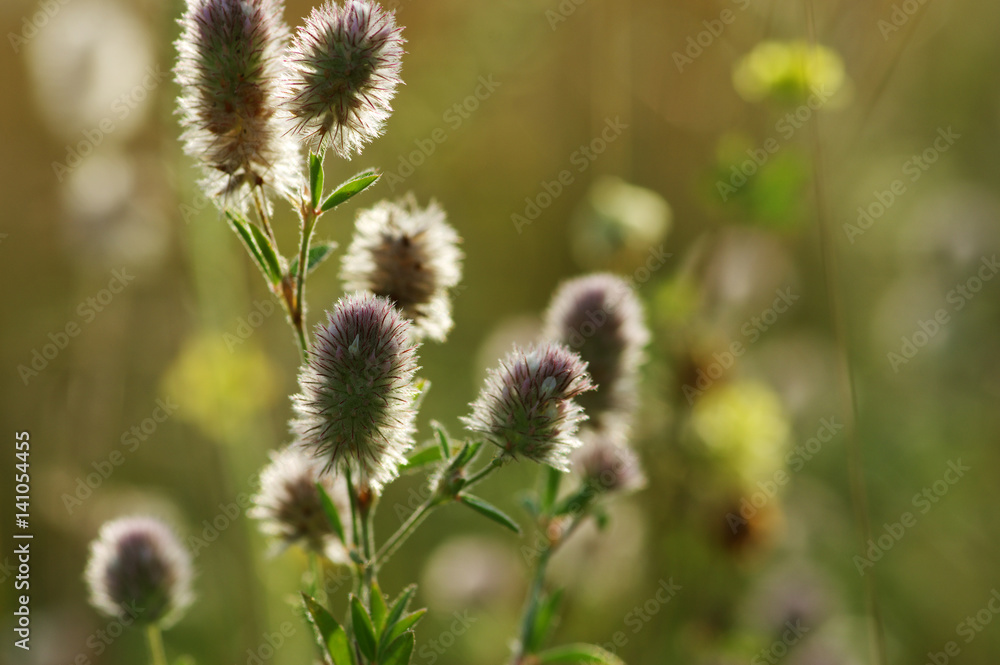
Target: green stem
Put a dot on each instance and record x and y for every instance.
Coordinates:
(309, 218)
(531, 605)
(494, 464)
(154, 636)
(402, 533)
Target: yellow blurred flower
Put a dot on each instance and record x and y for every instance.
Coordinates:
(789, 72)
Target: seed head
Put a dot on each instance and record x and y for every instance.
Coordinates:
(289, 507)
(138, 568)
(607, 464)
(343, 69)
(526, 406)
(409, 256)
(356, 409)
(228, 67)
(599, 317)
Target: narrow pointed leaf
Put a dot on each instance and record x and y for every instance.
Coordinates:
(552, 479)
(544, 621)
(421, 457)
(399, 652)
(331, 637)
(405, 624)
(318, 253)
(399, 606)
(489, 510)
(364, 632)
(267, 253)
(355, 185)
(442, 439)
(330, 510)
(242, 228)
(422, 386)
(315, 178)
(572, 654)
(379, 610)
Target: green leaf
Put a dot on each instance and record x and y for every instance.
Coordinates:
(364, 632)
(331, 637)
(354, 185)
(551, 489)
(489, 510)
(442, 439)
(399, 652)
(421, 457)
(242, 228)
(544, 621)
(330, 510)
(578, 653)
(399, 606)
(466, 454)
(379, 609)
(318, 253)
(315, 178)
(405, 624)
(267, 254)
(422, 386)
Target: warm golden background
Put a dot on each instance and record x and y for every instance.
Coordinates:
(123, 208)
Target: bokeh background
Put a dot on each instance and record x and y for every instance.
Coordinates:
(96, 195)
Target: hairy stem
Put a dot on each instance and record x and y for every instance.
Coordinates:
(154, 637)
(309, 218)
(405, 530)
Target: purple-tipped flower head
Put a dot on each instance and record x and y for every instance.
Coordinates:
(228, 68)
(606, 463)
(409, 256)
(343, 72)
(527, 405)
(356, 408)
(599, 317)
(138, 568)
(289, 507)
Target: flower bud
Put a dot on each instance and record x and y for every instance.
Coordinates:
(356, 406)
(138, 569)
(343, 72)
(526, 407)
(607, 464)
(409, 256)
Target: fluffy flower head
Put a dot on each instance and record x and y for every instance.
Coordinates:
(228, 67)
(356, 408)
(527, 406)
(139, 568)
(607, 464)
(409, 256)
(343, 72)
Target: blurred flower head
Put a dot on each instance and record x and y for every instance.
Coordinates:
(228, 67)
(789, 72)
(289, 507)
(527, 407)
(343, 69)
(607, 464)
(138, 568)
(356, 409)
(472, 571)
(409, 256)
(600, 317)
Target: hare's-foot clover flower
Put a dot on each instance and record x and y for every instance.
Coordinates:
(527, 406)
(228, 67)
(139, 569)
(409, 256)
(289, 507)
(343, 69)
(607, 464)
(356, 408)
(599, 317)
